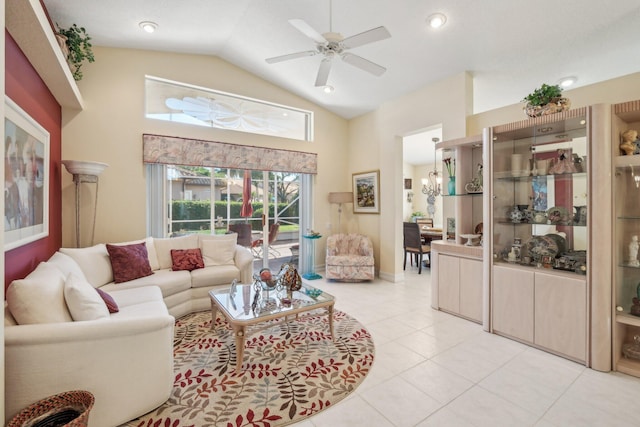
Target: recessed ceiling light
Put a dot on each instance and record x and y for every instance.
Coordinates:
(567, 81)
(328, 89)
(436, 20)
(148, 26)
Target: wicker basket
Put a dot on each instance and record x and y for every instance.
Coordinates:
(69, 409)
(556, 105)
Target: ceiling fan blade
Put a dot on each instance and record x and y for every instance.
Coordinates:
(307, 30)
(323, 72)
(291, 56)
(363, 64)
(370, 36)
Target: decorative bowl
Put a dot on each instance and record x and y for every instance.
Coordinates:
(313, 292)
(470, 238)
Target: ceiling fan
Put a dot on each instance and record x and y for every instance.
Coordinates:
(332, 45)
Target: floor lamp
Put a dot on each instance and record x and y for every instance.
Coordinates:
(340, 198)
(88, 172)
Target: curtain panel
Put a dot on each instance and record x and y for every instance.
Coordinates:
(173, 150)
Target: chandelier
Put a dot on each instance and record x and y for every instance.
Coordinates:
(432, 186)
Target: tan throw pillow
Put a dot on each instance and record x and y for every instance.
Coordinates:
(39, 297)
(82, 299)
(94, 262)
(218, 251)
(129, 262)
(164, 246)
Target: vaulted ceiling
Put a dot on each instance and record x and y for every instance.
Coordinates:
(510, 47)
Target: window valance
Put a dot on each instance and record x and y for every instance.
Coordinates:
(173, 150)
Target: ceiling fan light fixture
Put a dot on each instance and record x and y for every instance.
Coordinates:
(436, 20)
(148, 26)
(328, 89)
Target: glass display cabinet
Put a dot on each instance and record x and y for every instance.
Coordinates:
(626, 222)
(538, 212)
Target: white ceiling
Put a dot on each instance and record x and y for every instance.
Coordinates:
(509, 46)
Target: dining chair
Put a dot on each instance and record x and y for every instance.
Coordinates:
(413, 245)
(256, 246)
(244, 233)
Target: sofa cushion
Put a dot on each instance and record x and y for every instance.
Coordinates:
(219, 250)
(170, 282)
(111, 304)
(163, 248)
(186, 259)
(39, 297)
(94, 262)
(82, 299)
(66, 264)
(129, 262)
(216, 275)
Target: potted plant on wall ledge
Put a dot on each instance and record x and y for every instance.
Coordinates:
(77, 48)
(547, 99)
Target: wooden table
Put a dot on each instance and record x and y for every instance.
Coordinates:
(430, 233)
(235, 304)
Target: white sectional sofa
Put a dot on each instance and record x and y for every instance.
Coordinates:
(60, 334)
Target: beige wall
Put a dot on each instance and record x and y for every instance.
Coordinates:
(110, 130)
(375, 142)
(622, 89)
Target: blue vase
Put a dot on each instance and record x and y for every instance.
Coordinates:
(451, 186)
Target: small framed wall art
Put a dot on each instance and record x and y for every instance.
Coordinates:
(366, 192)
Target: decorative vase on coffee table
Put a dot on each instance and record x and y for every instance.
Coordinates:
(451, 186)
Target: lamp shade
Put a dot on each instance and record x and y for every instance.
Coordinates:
(341, 197)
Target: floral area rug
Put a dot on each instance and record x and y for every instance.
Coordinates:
(291, 370)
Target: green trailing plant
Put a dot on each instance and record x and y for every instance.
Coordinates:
(80, 49)
(543, 95)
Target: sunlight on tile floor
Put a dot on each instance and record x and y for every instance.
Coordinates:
(434, 369)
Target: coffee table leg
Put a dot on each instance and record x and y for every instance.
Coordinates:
(239, 331)
(330, 313)
(214, 314)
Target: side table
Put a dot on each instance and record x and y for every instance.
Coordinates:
(311, 257)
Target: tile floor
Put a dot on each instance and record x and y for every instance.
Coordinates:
(434, 369)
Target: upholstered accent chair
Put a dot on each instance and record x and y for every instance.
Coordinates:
(349, 258)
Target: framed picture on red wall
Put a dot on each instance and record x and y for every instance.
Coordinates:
(26, 178)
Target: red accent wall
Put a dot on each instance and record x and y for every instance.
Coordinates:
(25, 87)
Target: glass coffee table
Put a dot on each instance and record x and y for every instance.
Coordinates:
(239, 306)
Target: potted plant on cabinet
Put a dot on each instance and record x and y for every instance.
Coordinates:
(79, 48)
(547, 99)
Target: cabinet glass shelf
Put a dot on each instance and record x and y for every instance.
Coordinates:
(559, 176)
(462, 195)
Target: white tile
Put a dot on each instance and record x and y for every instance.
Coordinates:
(466, 364)
(424, 344)
(435, 369)
(436, 381)
(444, 417)
(400, 402)
(532, 395)
(354, 412)
(482, 408)
(396, 358)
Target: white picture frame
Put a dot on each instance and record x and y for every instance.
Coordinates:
(26, 184)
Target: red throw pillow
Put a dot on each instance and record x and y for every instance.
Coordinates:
(109, 301)
(186, 259)
(129, 262)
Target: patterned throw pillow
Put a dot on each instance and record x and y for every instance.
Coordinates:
(186, 259)
(129, 262)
